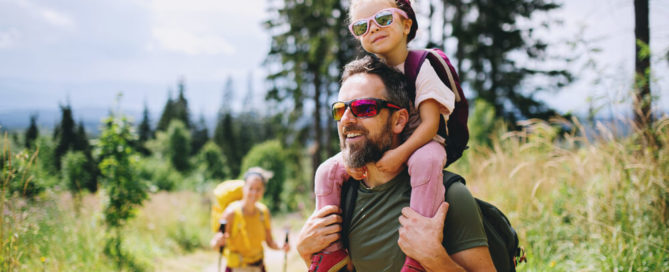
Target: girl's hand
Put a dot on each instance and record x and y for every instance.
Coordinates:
(391, 161)
(357, 173)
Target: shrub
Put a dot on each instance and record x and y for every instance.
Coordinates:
(272, 156)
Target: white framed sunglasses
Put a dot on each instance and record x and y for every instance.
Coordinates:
(383, 18)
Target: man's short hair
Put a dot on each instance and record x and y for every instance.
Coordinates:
(394, 81)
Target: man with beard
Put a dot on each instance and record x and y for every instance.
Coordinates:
(378, 241)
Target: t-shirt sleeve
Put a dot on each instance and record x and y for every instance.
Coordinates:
(463, 228)
(429, 86)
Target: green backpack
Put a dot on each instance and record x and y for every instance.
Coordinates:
(502, 238)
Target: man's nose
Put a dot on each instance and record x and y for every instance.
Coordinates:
(348, 116)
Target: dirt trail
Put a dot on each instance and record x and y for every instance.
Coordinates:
(207, 260)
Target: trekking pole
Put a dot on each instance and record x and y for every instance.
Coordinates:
(221, 229)
(285, 253)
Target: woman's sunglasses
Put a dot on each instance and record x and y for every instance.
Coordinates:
(383, 18)
(364, 107)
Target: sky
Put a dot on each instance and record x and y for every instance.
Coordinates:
(86, 52)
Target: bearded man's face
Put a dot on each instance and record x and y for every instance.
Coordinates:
(369, 148)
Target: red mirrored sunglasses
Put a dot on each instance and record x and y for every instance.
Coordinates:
(364, 107)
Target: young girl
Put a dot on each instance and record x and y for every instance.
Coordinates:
(384, 27)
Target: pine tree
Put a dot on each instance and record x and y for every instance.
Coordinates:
(181, 111)
(487, 34)
(225, 137)
(642, 98)
(82, 145)
(199, 135)
(64, 135)
(32, 132)
(167, 115)
(176, 109)
(179, 144)
(144, 131)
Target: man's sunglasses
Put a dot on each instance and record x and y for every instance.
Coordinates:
(383, 18)
(364, 107)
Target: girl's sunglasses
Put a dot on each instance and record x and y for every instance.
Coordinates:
(364, 107)
(383, 18)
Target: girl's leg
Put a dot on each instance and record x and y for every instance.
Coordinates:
(329, 177)
(427, 189)
(425, 169)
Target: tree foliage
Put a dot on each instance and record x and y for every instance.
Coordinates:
(175, 109)
(237, 132)
(72, 137)
(200, 135)
(310, 44)
(64, 134)
(145, 132)
(125, 191)
(272, 156)
(213, 163)
(118, 171)
(492, 37)
(32, 132)
(178, 145)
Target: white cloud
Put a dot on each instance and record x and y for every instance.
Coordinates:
(182, 40)
(56, 18)
(203, 27)
(51, 16)
(9, 38)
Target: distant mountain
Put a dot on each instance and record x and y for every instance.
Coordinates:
(19, 119)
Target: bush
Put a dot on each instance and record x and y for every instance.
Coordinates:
(178, 146)
(272, 156)
(159, 174)
(212, 163)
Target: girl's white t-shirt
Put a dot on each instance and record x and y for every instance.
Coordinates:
(430, 86)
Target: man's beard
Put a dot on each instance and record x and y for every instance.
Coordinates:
(370, 150)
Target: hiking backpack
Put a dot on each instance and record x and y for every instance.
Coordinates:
(225, 193)
(455, 131)
(502, 237)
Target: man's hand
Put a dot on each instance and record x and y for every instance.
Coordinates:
(391, 161)
(420, 237)
(321, 229)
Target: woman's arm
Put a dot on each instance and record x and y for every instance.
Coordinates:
(268, 236)
(219, 238)
(430, 115)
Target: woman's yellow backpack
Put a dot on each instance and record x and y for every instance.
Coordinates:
(225, 193)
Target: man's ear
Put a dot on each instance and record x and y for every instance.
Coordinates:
(400, 120)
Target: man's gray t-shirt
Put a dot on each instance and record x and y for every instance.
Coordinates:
(373, 233)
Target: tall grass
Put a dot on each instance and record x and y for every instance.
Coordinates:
(579, 202)
(47, 233)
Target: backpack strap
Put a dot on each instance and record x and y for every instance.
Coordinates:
(349, 192)
(436, 59)
(412, 66)
(450, 178)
